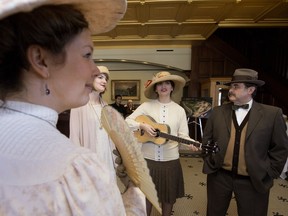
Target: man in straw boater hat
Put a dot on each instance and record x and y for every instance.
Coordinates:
(46, 67)
(163, 160)
(253, 149)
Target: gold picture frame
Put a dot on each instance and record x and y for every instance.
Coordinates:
(128, 89)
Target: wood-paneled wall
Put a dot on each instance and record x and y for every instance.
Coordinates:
(264, 50)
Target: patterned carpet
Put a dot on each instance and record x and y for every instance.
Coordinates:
(194, 202)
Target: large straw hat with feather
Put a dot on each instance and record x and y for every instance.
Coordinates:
(160, 77)
(102, 15)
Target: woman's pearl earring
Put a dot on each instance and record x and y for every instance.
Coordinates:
(47, 90)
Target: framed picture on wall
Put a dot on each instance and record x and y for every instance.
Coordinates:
(128, 89)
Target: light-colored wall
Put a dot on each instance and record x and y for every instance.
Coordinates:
(174, 59)
(178, 57)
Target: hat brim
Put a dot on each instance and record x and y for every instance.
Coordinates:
(178, 81)
(102, 15)
(256, 82)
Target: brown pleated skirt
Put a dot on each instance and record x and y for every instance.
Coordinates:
(168, 179)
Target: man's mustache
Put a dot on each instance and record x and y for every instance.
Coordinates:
(230, 94)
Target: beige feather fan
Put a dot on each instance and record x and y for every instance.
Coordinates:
(130, 150)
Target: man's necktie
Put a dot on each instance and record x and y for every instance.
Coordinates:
(244, 106)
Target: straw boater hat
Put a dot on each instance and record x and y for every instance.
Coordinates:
(102, 15)
(160, 77)
(243, 75)
(104, 70)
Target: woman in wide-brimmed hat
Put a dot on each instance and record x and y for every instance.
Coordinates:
(163, 160)
(46, 67)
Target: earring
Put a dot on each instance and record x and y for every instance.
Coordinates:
(47, 90)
